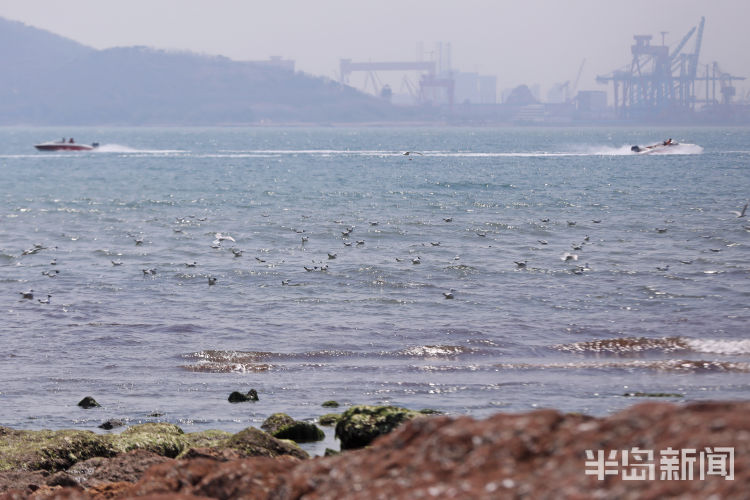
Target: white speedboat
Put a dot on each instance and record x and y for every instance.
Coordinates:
(654, 148)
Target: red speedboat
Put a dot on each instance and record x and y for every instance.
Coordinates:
(63, 145)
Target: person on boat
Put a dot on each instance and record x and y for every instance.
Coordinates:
(668, 142)
(71, 141)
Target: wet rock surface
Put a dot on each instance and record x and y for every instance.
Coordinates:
(541, 454)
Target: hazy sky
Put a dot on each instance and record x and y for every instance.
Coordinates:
(524, 41)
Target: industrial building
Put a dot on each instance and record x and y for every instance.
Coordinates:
(659, 84)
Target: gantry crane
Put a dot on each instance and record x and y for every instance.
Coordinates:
(657, 80)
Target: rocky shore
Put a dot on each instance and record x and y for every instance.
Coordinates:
(650, 450)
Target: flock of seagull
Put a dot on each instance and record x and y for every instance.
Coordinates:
(346, 233)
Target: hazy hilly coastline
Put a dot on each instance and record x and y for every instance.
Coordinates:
(52, 80)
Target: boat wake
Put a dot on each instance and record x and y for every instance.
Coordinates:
(119, 148)
(678, 149)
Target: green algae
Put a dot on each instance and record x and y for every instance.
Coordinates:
(282, 426)
(360, 425)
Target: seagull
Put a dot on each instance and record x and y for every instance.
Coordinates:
(661, 229)
(53, 263)
(221, 237)
(448, 295)
(374, 223)
(347, 243)
(139, 241)
(586, 238)
(742, 213)
(544, 220)
(571, 223)
(191, 264)
(305, 239)
(211, 280)
(45, 301)
(416, 260)
(27, 295)
(596, 221)
(448, 219)
(569, 256)
(520, 263)
(542, 242)
(435, 243)
(147, 272)
(360, 242)
(52, 274)
(35, 249)
(331, 255)
(284, 282)
(237, 252)
(662, 268)
(407, 153)
(577, 246)
(259, 259)
(116, 262)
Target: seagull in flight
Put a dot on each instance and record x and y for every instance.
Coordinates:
(407, 153)
(742, 213)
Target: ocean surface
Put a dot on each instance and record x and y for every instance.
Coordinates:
(581, 274)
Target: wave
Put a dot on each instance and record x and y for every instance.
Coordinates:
(662, 365)
(638, 345)
(221, 361)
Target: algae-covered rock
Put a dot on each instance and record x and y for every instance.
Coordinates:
(238, 397)
(207, 439)
(252, 442)
(329, 419)
(360, 425)
(330, 404)
(50, 450)
(275, 422)
(282, 426)
(430, 411)
(88, 402)
(164, 439)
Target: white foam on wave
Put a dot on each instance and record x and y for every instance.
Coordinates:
(719, 346)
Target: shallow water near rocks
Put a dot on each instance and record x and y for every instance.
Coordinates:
(634, 274)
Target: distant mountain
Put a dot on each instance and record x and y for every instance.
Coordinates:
(51, 80)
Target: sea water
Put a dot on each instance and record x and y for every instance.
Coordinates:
(580, 273)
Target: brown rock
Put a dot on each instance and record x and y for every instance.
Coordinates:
(539, 455)
(22, 480)
(126, 467)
